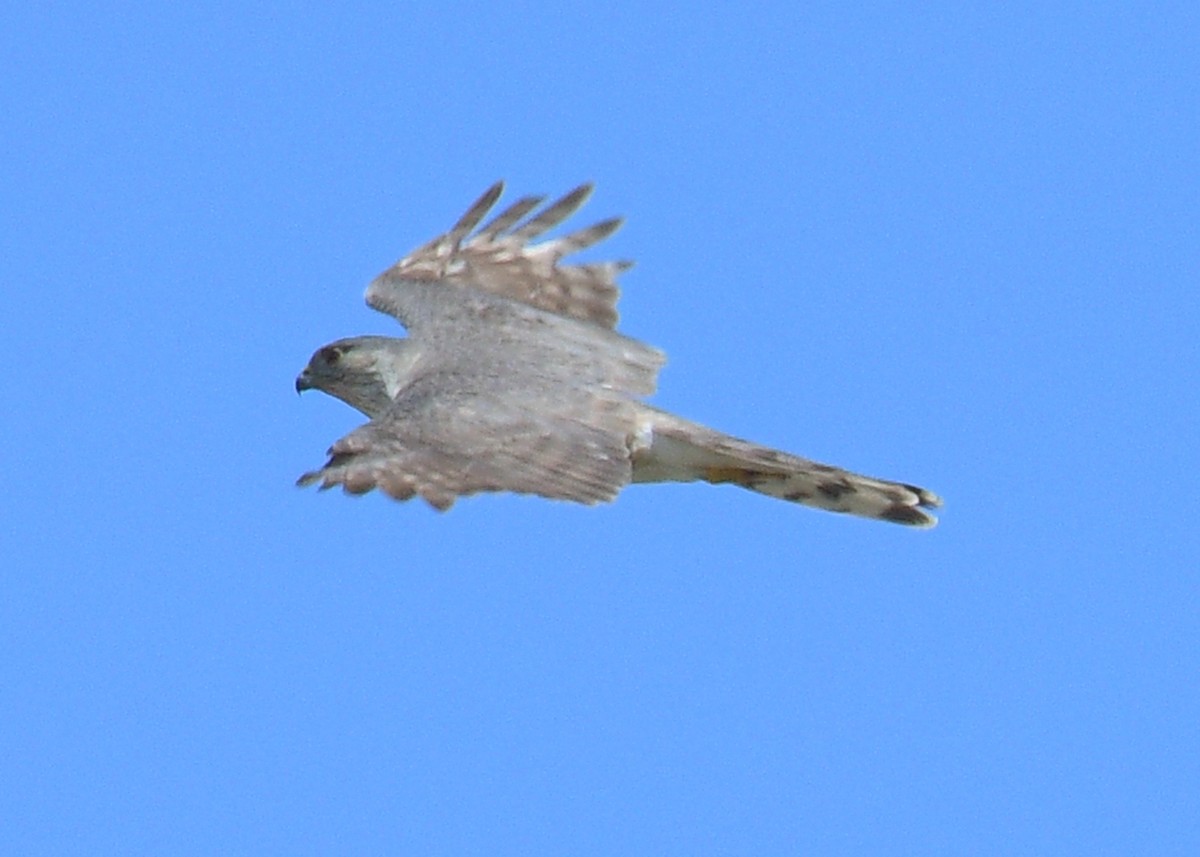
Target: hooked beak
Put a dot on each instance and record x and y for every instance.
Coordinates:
(302, 382)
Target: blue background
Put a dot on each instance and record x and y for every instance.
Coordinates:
(952, 245)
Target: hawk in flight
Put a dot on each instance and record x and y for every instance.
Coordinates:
(512, 378)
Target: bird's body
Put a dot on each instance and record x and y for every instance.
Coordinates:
(512, 379)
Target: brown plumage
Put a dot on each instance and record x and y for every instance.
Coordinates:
(512, 379)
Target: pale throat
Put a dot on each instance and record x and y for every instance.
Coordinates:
(394, 374)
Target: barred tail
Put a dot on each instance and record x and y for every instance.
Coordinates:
(683, 451)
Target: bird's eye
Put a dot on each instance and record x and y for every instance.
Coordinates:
(331, 355)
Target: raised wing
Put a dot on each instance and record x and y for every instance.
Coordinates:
(500, 258)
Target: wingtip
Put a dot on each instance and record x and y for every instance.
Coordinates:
(488, 198)
(582, 190)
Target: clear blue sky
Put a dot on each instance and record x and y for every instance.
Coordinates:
(955, 245)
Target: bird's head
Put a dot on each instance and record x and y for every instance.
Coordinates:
(365, 372)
